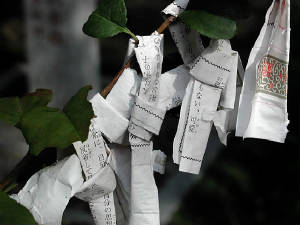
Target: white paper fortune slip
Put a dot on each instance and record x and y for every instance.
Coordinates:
(149, 54)
(146, 118)
(210, 72)
(100, 182)
(263, 104)
(112, 121)
(171, 91)
(47, 193)
(121, 164)
(144, 193)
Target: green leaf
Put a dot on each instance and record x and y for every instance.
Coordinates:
(80, 112)
(10, 110)
(12, 213)
(233, 9)
(108, 20)
(45, 127)
(208, 24)
(113, 10)
(41, 97)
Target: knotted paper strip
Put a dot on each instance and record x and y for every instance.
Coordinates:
(94, 156)
(146, 118)
(210, 72)
(149, 54)
(263, 104)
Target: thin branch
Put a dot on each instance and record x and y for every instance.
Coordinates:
(165, 24)
(108, 88)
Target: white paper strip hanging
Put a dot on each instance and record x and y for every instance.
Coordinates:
(210, 72)
(263, 104)
(146, 118)
(100, 182)
(149, 54)
(144, 193)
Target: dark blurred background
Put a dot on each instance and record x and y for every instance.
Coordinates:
(250, 181)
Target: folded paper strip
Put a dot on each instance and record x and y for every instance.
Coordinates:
(263, 104)
(212, 85)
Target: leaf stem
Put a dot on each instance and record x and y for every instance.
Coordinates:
(132, 35)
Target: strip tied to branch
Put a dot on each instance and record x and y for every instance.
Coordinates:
(160, 30)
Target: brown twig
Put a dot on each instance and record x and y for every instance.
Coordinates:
(161, 29)
(165, 24)
(108, 88)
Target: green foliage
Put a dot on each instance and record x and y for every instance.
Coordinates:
(108, 20)
(10, 110)
(41, 97)
(80, 112)
(208, 24)
(233, 9)
(45, 127)
(12, 213)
